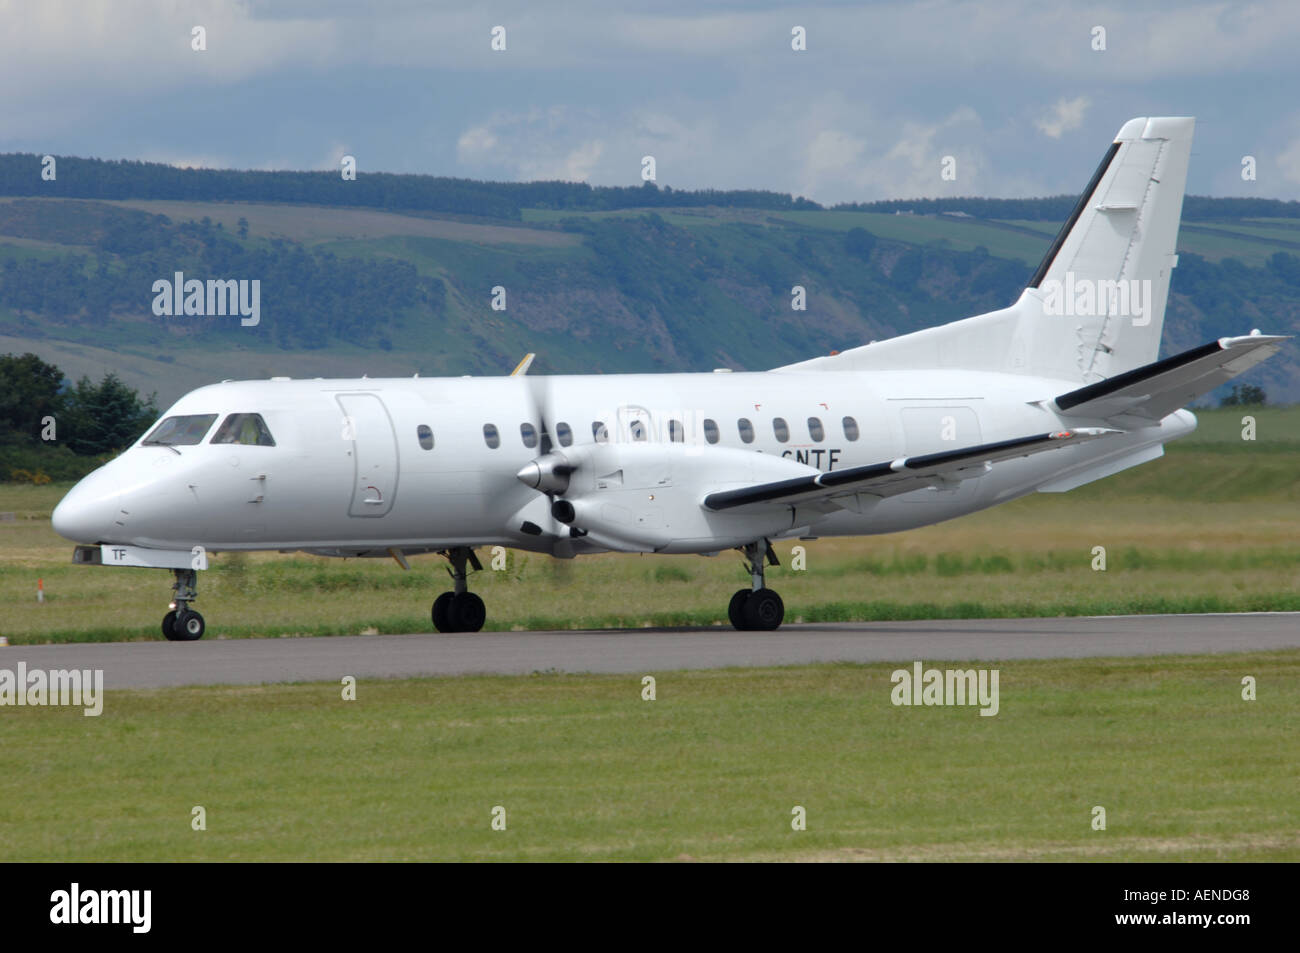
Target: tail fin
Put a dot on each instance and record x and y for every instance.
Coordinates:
(1110, 265)
(1095, 306)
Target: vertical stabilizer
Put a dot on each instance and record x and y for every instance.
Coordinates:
(1095, 306)
(1108, 270)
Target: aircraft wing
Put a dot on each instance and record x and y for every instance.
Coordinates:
(1156, 390)
(902, 475)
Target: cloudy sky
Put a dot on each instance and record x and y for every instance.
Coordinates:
(1014, 90)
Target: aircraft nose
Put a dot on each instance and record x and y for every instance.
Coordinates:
(86, 514)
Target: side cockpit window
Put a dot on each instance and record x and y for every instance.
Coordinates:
(248, 429)
(180, 431)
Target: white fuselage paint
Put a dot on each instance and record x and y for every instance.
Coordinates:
(326, 488)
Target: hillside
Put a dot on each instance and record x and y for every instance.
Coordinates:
(352, 290)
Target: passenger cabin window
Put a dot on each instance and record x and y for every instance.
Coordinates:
(529, 434)
(564, 434)
(180, 431)
(781, 429)
(638, 429)
(491, 437)
(676, 432)
(746, 429)
(815, 429)
(599, 432)
(425, 433)
(850, 428)
(248, 429)
(711, 430)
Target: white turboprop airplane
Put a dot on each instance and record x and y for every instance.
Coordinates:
(1060, 389)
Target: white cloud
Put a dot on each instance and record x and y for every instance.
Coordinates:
(1066, 115)
(476, 145)
(333, 160)
(209, 160)
(908, 162)
(574, 144)
(1288, 162)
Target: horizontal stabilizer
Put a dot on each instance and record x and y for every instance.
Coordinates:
(899, 476)
(1156, 390)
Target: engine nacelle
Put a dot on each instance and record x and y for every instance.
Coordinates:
(648, 497)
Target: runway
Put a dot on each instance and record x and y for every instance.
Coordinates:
(640, 651)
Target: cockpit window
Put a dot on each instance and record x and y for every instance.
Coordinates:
(180, 431)
(248, 429)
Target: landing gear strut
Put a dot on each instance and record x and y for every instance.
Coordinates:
(183, 624)
(459, 610)
(756, 608)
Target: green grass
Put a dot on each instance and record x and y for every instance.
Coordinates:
(1216, 247)
(955, 233)
(1276, 428)
(686, 218)
(1281, 234)
(711, 770)
(316, 223)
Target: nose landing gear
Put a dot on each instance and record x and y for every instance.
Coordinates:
(460, 610)
(183, 624)
(757, 608)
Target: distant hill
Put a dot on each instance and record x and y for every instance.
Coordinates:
(401, 279)
(20, 174)
(107, 179)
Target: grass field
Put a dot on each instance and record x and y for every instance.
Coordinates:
(313, 223)
(1210, 527)
(1251, 241)
(712, 769)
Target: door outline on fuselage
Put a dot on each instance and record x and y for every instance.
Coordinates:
(376, 463)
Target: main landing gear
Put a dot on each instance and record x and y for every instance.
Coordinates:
(460, 610)
(183, 624)
(757, 608)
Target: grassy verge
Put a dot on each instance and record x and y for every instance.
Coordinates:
(711, 770)
(1030, 558)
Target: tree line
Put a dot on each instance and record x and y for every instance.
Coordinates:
(20, 174)
(1057, 208)
(54, 428)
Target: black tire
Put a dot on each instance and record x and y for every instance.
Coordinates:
(169, 626)
(441, 617)
(764, 610)
(189, 626)
(736, 610)
(467, 612)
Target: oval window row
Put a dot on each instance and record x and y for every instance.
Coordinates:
(676, 432)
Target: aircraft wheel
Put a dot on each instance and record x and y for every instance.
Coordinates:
(441, 619)
(764, 610)
(169, 626)
(467, 612)
(736, 610)
(188, 627)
